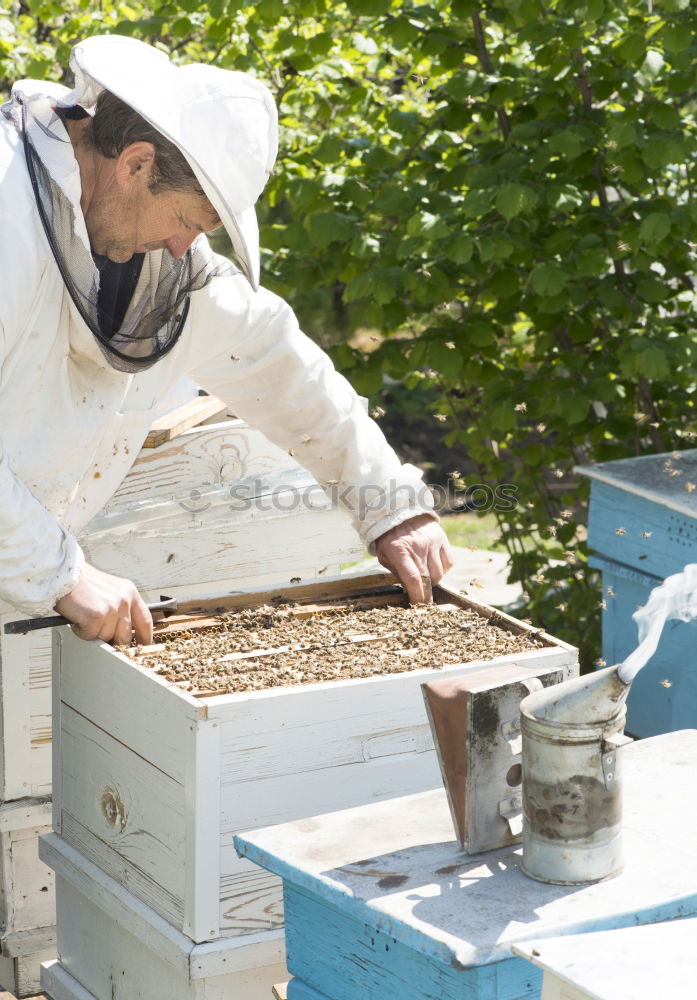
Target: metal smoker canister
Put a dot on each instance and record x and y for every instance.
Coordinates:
(572, 781)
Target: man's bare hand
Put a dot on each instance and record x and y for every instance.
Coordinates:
(418, 553)
(106, 607)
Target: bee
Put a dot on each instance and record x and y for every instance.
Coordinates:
(666, 683)
(439, 416)
(295, 579)
(233, 357)
(558, 473)
(602, 605)
(291, 452)
(646, 534)
(620, 531)
(377, 412)
(540, 428)
(622, 247)
(690, 487)
(561, 607)
(450, 345)
(521, 407)
(599, 663)
(610, 592)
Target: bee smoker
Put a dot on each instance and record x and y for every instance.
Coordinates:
(572, 779)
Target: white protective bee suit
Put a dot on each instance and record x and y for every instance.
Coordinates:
(71, 425)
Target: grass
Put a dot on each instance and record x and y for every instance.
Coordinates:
(472, 531)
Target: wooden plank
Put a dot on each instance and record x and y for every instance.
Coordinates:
(205, 549)
(174, 423)
(201, 836)
(23, 974)
(38, 939)
(382, 698)
(25, 813)
(128, 805)
(203, 456)
(273, 800)
(109, 935)
(251, 901)
(28, 892)
(57, 721)
(104, 686)
(340, 587)
(15, 714)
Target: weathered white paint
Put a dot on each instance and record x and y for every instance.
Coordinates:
(630, 963)
(21, 975)
(26, 885)
(27, 895)
(223, 452)
(25, 713)
(110, 941)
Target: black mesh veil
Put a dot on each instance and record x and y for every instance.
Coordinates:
(158, 308)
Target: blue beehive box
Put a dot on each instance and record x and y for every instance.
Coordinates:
(642, 527)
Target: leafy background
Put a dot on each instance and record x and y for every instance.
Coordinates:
(485, 212)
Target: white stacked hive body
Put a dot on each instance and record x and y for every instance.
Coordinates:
(152, 782)
(184, 521)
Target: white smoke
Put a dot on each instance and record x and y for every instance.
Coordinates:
(676, 597)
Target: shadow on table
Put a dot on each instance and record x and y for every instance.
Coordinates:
(481, 899)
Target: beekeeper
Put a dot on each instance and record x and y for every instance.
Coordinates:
(111, 293)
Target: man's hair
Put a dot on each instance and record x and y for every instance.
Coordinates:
(116, 125)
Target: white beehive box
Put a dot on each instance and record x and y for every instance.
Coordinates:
(112, 946)
(185, 520)
(170, 525)
(27, 908)
(151, 782)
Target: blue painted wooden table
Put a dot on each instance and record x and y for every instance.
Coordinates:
(382, 904)
(642, 525)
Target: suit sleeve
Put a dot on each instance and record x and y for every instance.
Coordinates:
(247, 348)
(40, 562)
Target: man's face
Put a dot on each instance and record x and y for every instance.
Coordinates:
(124, 217)
(136, 221)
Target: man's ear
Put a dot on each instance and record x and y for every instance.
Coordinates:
(135, 163)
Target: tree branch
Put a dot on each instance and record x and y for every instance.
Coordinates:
(488, 66)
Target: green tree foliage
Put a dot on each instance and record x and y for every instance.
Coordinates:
(503, 190)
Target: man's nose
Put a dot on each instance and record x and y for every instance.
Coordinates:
(179, 244)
